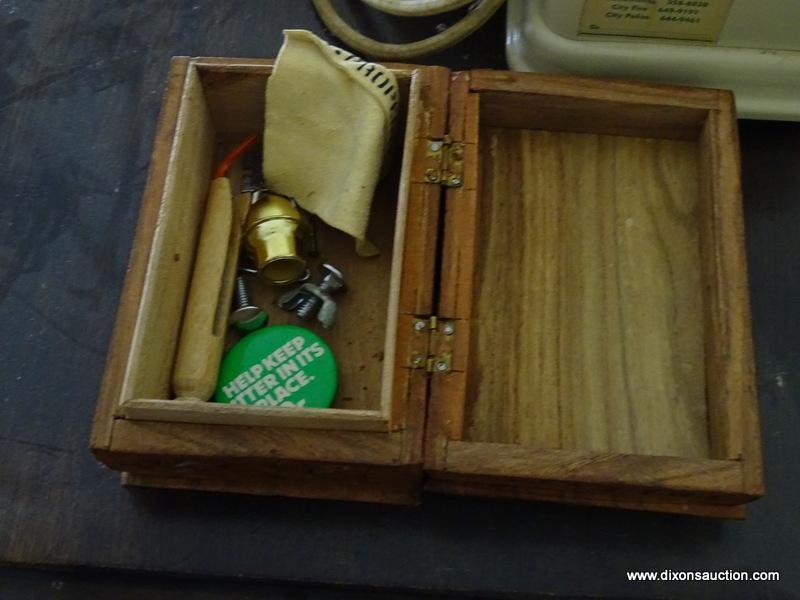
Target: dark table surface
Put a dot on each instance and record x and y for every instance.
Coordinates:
(80, 88)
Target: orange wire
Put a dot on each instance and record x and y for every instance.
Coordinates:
(234, 154)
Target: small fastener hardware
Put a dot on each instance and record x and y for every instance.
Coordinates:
(309, 300)
(448, 328)
(247, 316)
(417, 360)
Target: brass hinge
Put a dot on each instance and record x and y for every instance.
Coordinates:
(432, 347)
(449, 157)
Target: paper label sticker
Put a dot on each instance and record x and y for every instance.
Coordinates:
(700, 20)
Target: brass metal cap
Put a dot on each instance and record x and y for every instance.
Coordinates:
(270, 233)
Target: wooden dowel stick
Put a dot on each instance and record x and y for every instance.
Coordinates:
(202, 336)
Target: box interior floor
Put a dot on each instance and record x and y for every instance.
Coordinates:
(588, 321)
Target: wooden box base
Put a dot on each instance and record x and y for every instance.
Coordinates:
(368, 446)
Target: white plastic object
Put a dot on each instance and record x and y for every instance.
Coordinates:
(757, 53)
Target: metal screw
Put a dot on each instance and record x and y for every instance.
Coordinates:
(432, 175)
(448, 328)
(331, 282)
(420, 325)
(435, 146)
(441, 365)
(247, 316)
(417, 360)
(455, 181)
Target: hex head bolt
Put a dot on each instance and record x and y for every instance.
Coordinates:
(247, 316)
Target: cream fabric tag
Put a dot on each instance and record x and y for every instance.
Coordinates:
(328, 121)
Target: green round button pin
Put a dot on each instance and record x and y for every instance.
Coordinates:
(282, 365)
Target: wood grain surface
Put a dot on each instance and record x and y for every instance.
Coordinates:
(734, 425)
(589, 327)
(669, 474)
(169, 266)
(594, 495)
(126, 312)
(202, 336)
(195, 411)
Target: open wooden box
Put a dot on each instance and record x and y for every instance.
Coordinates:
(559, 312)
